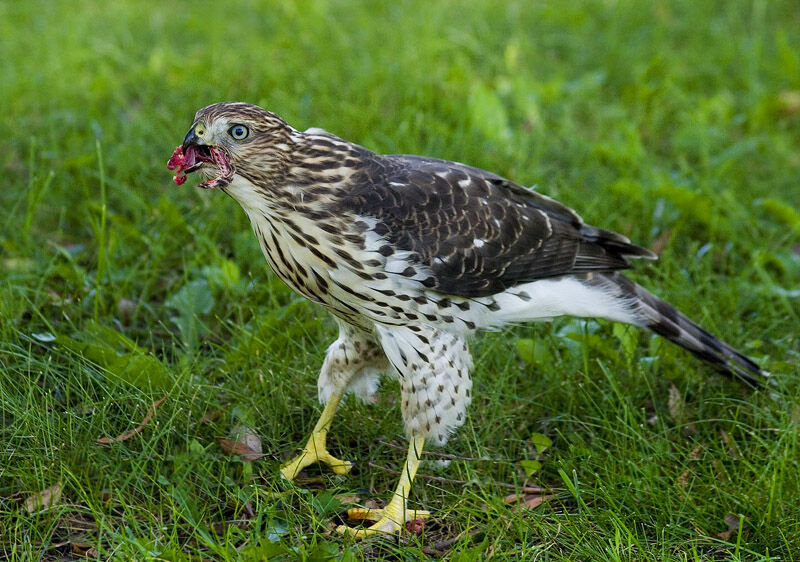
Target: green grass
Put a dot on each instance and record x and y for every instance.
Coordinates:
(676, 123)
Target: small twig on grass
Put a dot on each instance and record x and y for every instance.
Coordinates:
(131, 432)
(523, 489)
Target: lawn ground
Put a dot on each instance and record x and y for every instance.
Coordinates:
(675, 123)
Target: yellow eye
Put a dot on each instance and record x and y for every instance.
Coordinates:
(239, 132)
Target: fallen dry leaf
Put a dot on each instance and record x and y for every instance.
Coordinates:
(45, 499)
(732, 451)
(246, 444)
(211, 416)
(131, 432)
(83, 549)
(248, 436)
(675, 403)
(373, 504)
(661, 242)
(683, 479)
(528, 501)
(126, 308)
(789, 102)
(236, 448)
(696, 453)
(732, 521)
(347, 498)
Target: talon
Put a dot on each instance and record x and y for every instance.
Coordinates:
(314, 452)
(387, 521)
(394, 517)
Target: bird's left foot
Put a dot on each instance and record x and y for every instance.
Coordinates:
(390, 520)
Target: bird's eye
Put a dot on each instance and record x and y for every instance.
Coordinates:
(238, 132)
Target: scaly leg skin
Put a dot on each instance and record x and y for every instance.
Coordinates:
(394, 516)
(315, 450)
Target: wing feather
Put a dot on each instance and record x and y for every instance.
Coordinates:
(477, 232)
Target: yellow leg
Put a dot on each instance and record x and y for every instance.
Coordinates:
(394, 516)
(315, 450)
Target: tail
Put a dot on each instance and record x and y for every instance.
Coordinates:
(649, 311)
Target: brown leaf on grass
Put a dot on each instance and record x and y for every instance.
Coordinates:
(347, 499)
(732, 450)
(661, 242)
(43, 500)
(236, 448)
(373, 504)
(131, 432)
(675, 403)
(696, 453)
(732, 521)
(83, 549)
(789, 102)
(126, 308)
(246, 444)
(528, 501)
(683, 479)
(211, 416)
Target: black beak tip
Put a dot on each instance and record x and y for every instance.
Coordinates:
(190, 139)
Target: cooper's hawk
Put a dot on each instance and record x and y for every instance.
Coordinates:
(412, 255)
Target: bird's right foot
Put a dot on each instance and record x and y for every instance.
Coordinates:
(314, 451)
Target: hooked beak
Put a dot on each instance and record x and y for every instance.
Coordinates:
(194, 137)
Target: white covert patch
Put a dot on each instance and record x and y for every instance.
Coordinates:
(550, 298)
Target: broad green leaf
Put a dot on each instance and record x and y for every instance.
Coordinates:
(782, 211)
(322, 551)
(691, 203)
(531, 351)
(530, 466)
(488, 115)
(541, 442)
(193, 298)
(191, 301)
(326, 504)
(226, 275)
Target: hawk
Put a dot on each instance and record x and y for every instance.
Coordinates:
(412, 255)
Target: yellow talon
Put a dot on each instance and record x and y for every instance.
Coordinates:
(394, 516)
(316, 450)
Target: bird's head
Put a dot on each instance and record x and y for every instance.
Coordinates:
(232, 138)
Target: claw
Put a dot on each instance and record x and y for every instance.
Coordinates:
(314, 451)
(394, 516)
(390, 520)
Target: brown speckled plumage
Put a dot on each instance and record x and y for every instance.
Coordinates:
(412, 254)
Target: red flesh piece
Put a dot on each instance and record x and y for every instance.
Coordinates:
(182, 161)
(177, 162)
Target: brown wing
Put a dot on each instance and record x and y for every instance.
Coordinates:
(479, 233)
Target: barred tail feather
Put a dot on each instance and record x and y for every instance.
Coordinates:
(651, 312)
